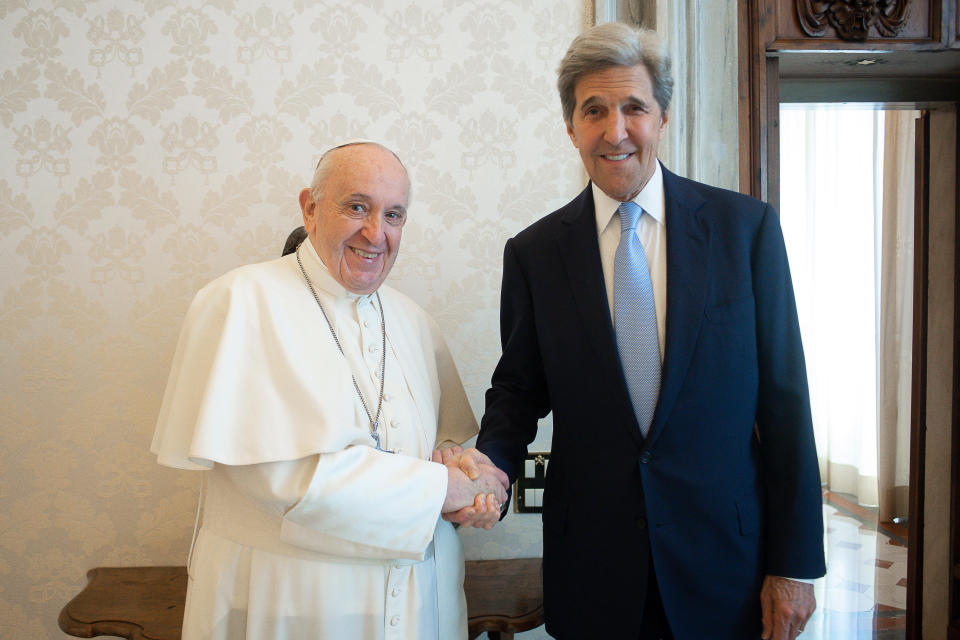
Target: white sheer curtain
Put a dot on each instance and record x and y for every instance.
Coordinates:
(832, 213)
(896, 316)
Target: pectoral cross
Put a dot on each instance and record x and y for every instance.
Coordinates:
(376, 438)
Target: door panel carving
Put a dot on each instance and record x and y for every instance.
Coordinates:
(852, 19)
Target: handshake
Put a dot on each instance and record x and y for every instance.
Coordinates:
(476, 488)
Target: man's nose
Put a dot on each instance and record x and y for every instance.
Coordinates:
(615, 129)
(373, 228)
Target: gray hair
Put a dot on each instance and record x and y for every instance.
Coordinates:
(614, 44)
(323, 167)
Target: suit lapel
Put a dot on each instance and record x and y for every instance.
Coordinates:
(580, 254)
(688, 244)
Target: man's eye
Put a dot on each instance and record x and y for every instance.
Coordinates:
(357, 208)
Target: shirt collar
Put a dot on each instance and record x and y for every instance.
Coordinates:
(650, 199)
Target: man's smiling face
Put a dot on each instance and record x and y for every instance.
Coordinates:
(617, 126)
(357, 220)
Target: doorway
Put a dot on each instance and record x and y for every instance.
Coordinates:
(847, 213)
(778, 63)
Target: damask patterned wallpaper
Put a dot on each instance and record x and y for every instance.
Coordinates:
(151, 145)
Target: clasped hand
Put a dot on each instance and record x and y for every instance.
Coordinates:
(476, 488)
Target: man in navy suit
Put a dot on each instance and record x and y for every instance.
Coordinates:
(700, 519)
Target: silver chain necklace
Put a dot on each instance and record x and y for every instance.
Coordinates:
(374, 419)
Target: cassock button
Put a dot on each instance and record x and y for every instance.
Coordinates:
(395, 592)
(372, 348)
(394, 621)
(646, 457)
(366, 323)
(394, 423)
(642, 524)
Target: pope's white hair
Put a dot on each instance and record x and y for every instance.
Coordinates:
(323, 167)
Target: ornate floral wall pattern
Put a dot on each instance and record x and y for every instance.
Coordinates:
(151, 145)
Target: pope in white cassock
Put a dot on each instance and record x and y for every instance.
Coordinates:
(312, 398)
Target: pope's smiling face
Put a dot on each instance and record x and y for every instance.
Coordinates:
(617, 126)
(356, 222)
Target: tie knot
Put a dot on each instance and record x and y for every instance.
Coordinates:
(630, 213)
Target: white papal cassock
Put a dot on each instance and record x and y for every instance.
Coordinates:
(308, 531)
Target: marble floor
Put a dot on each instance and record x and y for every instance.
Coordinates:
(864, 594)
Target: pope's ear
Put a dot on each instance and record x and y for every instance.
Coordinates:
(309, 209)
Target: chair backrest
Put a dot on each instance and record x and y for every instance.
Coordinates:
(293, 240)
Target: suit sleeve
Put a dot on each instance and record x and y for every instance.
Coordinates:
(518, 396)
(791, 477)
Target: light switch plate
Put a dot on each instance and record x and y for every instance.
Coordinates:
(528, 489)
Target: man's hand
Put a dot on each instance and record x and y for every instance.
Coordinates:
(471, 460)
(786, 605)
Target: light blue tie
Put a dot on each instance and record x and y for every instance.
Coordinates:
(635, 318)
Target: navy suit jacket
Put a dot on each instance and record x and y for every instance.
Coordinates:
(725, 488)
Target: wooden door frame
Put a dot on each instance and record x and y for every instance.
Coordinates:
(918, 391)
(953, 594)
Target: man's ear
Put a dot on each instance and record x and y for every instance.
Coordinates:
(664, 117)
(572, 134)
(309, 209)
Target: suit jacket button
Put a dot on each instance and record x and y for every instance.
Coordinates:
(646, 457)
(642, 524)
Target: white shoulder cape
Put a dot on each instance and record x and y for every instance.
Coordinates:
(256, 376)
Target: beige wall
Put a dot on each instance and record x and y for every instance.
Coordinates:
(150, 146)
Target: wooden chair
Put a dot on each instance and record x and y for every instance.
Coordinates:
(146, 603)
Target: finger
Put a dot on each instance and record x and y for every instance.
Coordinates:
(501, 476)
(781, 628)
(477, 455)
(765, 616)
(452, 454)
(459, 517)
(494, 505)
(487, 519)
(470, 467)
